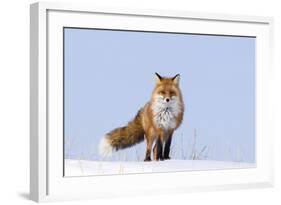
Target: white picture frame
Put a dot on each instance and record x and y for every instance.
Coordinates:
(46, 157)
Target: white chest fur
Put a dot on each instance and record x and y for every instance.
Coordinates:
(165, 114)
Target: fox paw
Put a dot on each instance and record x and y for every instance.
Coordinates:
(147, 159)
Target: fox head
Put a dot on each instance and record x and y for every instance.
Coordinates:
(166, 103)
(167, 89)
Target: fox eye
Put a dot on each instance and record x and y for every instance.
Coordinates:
(172, 93)
(161, 92)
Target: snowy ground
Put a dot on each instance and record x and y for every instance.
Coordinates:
(83, 167)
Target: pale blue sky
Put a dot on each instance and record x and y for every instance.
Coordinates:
(109, 75)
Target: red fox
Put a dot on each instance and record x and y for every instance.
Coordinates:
(155, 122)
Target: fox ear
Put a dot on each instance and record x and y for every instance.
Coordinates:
(158, 78)
(176, 79)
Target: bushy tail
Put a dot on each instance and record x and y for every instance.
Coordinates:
(122, 137)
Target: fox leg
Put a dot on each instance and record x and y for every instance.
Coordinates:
(149, 142)
(158, 150)
(167, 147)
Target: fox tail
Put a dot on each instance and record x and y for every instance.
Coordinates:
(122, 137)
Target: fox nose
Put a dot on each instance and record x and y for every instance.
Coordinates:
(167, 99)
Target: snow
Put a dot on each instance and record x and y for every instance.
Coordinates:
(86, 168)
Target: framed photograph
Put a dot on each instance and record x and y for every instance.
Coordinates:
(149, 101)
